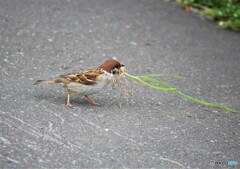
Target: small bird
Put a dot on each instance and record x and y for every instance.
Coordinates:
(87, 82)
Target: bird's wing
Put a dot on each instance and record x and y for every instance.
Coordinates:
(86, 77)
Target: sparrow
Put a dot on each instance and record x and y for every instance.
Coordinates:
(87, 82)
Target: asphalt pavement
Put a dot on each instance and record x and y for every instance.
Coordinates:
(151, 129)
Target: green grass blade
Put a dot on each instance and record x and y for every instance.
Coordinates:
(166, 87)
(138, 79)
(158, 88)
(155, 81)
(216, 105)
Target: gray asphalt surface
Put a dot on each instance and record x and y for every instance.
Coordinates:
(47, 38)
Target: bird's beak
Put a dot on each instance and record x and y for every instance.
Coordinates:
(122, 69)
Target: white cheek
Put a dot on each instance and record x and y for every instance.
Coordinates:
(109, 76)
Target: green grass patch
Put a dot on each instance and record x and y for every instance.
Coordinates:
(226, 12)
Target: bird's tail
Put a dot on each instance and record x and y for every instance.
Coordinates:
(44, 82)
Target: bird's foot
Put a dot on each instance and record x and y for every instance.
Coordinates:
(90, 100)
(69, 105)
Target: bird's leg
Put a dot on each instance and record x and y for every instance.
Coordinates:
(92, 101)
(68, 101)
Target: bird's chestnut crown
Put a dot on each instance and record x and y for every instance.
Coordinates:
(111, 66)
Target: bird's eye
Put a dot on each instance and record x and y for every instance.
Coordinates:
(114, 71)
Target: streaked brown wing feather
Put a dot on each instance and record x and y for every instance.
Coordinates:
(87, 77)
